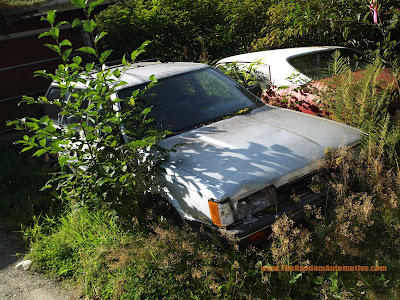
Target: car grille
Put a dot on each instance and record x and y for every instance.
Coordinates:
(296, 189)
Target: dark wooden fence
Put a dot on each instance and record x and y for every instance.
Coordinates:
(22, 53)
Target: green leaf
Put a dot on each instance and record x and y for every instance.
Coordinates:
(55, 48)
(61, 23)
(317, 280)
(73, 125)
(101, 181)
(42, 142)
(106, 129)
(43, 34)
(139, 50)
(136, 144)
(135, 93)
(135, 54)
(44, 119)
(143, 45)
(40, 152)
(90, 136)
(104, 55)
(89, 25)
(117, 100)
(73, 66)
(117, 73)
(78, 3)
(89, 50)
(42, 73)
(62, 160)
(76, 22)
(65, 43)
(47, 186)
(55, 33)
(296, 6)
(50, 128)
(123, 177)
(51, 16)
(124, 60)
(77, 60)
(26, 149)
(32, 125)
(66, 54)
(89, 67)
(100, 36)
(146, 111)
(93, 5)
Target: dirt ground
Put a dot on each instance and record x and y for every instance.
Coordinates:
(24, 285)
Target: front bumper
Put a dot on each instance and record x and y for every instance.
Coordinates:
(258, 230)
(241, 231)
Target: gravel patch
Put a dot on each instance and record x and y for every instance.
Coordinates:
(24, 285)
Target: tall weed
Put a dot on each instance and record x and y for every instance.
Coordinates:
(361, 98)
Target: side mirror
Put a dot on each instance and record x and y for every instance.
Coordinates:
(255, 89)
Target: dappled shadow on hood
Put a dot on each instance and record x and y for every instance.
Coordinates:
(234, 163)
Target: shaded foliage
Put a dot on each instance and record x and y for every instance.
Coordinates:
(344, 23)
(183, 30)
(211, 29)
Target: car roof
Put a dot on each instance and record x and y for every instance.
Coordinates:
(276, 60)
(139, 73)
(270, 56)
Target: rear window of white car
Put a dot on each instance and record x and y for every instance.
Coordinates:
(316, 65)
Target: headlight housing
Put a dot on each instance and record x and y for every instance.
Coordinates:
(221, 213)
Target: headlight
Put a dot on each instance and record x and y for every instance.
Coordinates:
(221, 213)
(255, 203)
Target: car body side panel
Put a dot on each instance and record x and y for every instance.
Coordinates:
(188, 194)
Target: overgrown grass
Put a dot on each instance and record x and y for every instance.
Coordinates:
(360, 226)
(109, 262)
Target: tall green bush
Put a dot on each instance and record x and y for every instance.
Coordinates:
(107, 157)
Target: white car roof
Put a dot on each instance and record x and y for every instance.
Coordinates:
(277, 61)
(139, 73)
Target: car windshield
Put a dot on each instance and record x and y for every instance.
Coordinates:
(189, 100)
(53, 111)
(316, 65)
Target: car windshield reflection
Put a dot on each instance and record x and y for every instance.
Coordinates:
(192, 99)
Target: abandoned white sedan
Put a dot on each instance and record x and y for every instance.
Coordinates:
(240, 160)
(284, 73)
